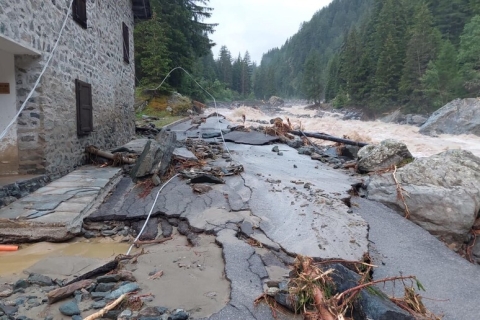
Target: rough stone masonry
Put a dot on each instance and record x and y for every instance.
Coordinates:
(47, 129)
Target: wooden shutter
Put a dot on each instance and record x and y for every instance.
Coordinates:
(80, 12)
(84, 107)
(126, 43)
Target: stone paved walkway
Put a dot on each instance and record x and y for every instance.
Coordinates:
(60, 205)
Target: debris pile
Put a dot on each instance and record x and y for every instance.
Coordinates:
(331, 290)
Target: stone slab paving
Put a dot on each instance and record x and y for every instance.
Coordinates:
(63, 202)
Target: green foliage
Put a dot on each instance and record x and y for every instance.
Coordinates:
(469, 56)
(175, 36)
(312, 79)
(323, 33)
(398, 57)
(421, 49)
(340, 100)
(441, 82)
(151, 55)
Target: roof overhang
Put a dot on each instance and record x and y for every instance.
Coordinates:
(141, 9)
(9, 45)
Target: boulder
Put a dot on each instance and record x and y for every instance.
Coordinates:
(415, 119)
(275, 101)
(388, 153)
(461, 116)
(442, 193)
(155, 157)
(393, 117)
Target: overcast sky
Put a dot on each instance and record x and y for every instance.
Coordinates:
(258, 25)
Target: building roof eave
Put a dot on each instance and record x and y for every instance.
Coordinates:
(141, 9)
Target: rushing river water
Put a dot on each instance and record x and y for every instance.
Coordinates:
(367, 131)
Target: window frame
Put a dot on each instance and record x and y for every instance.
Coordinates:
(80, 17)
(126, 43)
(83, 107)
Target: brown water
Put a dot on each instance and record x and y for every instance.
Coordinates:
(28, 255)
(367, 131)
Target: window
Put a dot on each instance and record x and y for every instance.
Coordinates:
(126, 44)
(79, 11)
(84, 107)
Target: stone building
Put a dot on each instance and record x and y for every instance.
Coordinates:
(86, 94)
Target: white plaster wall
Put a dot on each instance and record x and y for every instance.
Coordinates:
(8, 108)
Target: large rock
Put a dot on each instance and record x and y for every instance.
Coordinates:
(155, 157)
(457, 117)
(442, 192)
(388, 153)
(276, 101)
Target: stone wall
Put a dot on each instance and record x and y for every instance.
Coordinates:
(47, 132)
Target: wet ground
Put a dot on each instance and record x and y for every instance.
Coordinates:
(247, 230)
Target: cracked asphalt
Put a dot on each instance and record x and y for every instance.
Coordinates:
(293, 205)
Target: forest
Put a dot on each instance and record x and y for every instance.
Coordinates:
(376, 55)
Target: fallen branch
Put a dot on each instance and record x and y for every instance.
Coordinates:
(358, 288)
(139, 242)
(324, 136)
(115, 157)
(111, 306)
(400, 194)
(104, 269)
(64, 292)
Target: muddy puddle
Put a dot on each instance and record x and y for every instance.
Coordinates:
(29, 254)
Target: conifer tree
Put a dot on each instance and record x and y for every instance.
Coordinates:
(312, 78)
(441, 82)
(469, 56)
(421, 49)
(224, 66)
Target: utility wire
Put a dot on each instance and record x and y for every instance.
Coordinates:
(4, 132)
(170, 180)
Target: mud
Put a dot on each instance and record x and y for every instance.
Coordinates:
(193, 278)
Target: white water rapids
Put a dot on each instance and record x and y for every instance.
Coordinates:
(366, 131)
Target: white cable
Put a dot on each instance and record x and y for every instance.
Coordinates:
(150, 213)
(4, 132)
(158, 193)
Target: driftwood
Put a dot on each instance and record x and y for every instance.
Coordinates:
(115, 157)
(111, 306)
(64, 292)
(328, 137)
(109, 266)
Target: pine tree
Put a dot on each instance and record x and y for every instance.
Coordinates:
(224, 66)
(151, 55)
(332, 86)
(451, 16)
(390, 39)
(421, 49)
(469, 56)
(350, 61)
(270, 89)
(237, 74)
(475, 7)
(441, 82)
(246, 75)
(312, 78)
